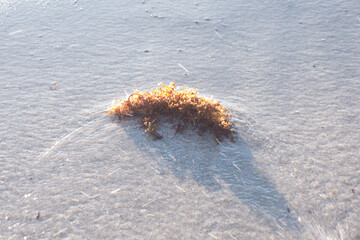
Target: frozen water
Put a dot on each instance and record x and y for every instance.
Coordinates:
(288, 70)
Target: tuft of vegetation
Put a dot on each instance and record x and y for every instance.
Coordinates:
(183, 103)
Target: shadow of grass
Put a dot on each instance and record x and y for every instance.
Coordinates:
(190, 156)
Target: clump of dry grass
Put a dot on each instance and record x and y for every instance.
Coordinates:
(182, 103)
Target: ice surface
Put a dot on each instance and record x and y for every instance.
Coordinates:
(288, 70)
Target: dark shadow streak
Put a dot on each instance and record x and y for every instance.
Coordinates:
(190, 156)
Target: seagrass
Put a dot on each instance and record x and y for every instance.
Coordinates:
(183, 103)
